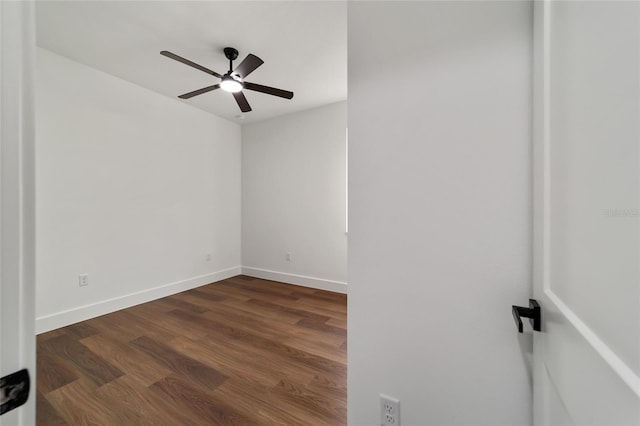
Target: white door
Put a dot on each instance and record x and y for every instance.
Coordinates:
(17, 176)
(587, 212)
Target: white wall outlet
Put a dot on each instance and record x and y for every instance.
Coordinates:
(389, 411)
(288, 256)
(208, 257)
(83, 279)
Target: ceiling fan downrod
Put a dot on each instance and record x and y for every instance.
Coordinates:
(232, 55)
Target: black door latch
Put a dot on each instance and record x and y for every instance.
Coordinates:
(532, 312)
(14, 390)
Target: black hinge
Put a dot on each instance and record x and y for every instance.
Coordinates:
(14, 390)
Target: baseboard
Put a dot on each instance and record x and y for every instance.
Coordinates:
(82, 313)
(319, 283)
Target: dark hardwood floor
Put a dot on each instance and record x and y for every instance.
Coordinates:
(243, 351)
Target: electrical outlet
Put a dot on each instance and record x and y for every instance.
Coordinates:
(288, 256)
(389, 411)
(83, 279)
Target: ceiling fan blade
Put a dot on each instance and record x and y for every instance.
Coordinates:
(246, 67)
(199, 91)
(242, 101)
(268, 90)
(190, 63)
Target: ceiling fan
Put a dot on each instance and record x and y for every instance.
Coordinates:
(233, 81)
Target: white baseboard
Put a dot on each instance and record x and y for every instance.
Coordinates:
(82, 313)
(319, 283)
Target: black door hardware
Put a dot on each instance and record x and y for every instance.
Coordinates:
(14, 390)
(532, 312)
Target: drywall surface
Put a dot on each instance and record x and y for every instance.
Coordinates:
(133, 188)
(294, 198)
(440, 210)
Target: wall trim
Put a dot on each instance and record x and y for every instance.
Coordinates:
(82, 313)
(302, 280)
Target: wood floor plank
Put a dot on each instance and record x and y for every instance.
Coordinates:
(239, 307)
(280, 316)
(268, 291)
(150, 411)
(337, 323)
(52, 372)
(176, 302)
(269, 306)
(273, 346)
(274, 285)
(319, 408)
(80, 330)
(330, 352)
(50, 335)
(84, 361)
(322, 296)
(252, 399)
(165, 322)
(323, 327)
(201, 405)
(254, 357)
(244, 351)
(203, 295)
(322, 307)
(225, 358)
(344, 346)
(203, 304)
(340, 298)
(329, 387)
(46, 414)
(124, 325)
(135, 364)
(228, 292)
(150, 309)
(72, 403)
(266, 326)
(192, 370)
(258, 318)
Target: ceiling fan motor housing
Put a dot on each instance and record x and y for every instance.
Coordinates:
(231, 53)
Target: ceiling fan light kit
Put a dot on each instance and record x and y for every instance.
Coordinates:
(230, 84)
(233, 81)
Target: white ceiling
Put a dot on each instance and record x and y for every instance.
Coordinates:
(303, 45)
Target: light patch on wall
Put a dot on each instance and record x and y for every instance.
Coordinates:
(346, 181)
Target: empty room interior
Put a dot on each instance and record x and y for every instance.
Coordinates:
(321, 213)
(143, 195)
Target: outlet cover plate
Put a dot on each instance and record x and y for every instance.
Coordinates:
(83, 280)
(389, 411)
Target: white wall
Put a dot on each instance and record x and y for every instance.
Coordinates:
(294, 198)
(133, 189)
(440, 210)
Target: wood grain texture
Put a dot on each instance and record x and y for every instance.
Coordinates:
(243, 351)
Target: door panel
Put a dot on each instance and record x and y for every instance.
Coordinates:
(586, 274)
(17, 194)
(594, 74)
(579, 378)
